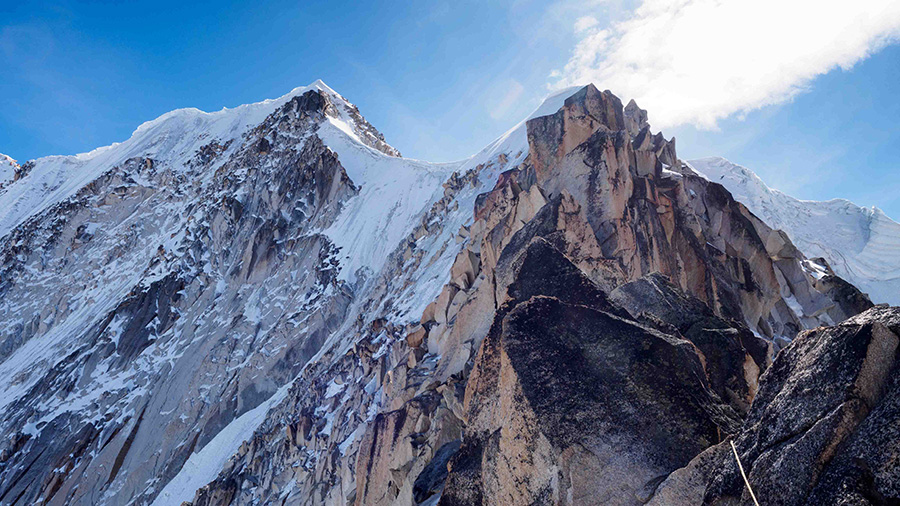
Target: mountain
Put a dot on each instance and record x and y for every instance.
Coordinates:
(861, 244)
(269, 304)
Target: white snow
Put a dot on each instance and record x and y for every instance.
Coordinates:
(813, 269)
(170, 139)
(202, 467)
(333, 389)
(394, 193)
(861, 244)
(352, 438)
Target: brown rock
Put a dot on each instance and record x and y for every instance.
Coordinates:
(416, 337)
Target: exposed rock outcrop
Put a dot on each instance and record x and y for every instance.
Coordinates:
(822, 429)
(566, 402)
(732, 357)
(675, 223)
(861, 244)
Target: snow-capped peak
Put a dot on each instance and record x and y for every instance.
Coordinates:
(169, 302)
(515, 140)
(862, 244)
(169, 139)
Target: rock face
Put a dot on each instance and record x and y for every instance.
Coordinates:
(566, 403)
(270, 305)
(733, 357)
(10, 171)
(822, 429)
(677, 224)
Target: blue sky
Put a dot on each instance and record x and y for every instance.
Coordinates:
(442, 79)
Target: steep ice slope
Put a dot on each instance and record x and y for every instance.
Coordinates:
(862, 244)
(390, 202)
(203, 466)
(392, 197)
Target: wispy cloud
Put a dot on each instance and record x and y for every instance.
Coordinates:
(699, 61)
(585, 23)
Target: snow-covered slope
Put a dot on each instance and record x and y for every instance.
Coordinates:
(172, 138)
(862, 244)
(177, 281)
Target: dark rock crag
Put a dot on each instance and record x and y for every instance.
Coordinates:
(823, 428)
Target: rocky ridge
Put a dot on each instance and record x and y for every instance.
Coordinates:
(862, 245)
(452, 404)
(571, 314)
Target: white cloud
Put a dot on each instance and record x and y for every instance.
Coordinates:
(585, 23)
(698, 61)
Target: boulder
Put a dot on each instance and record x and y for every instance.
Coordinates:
(733, 357)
